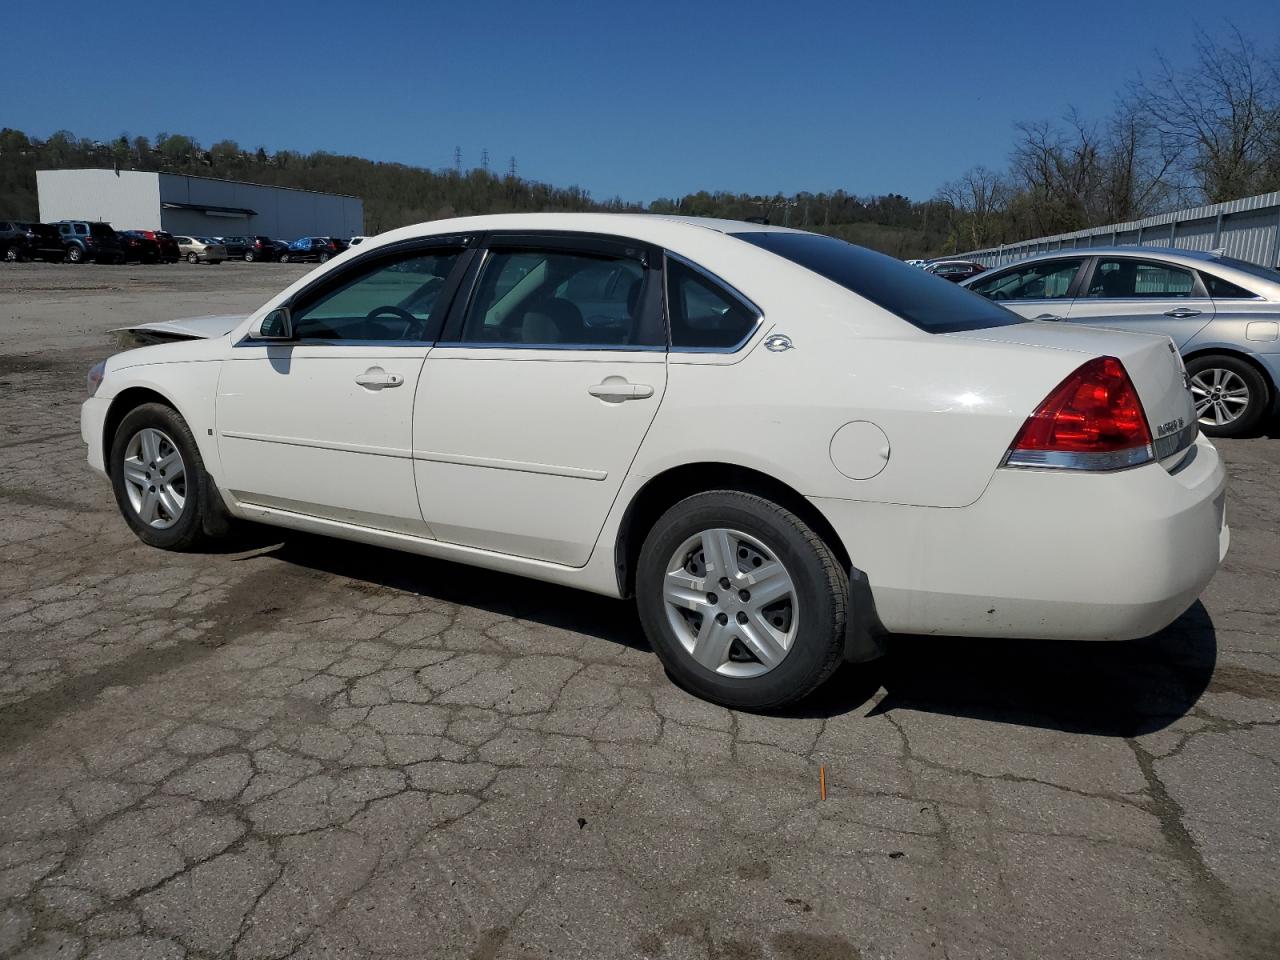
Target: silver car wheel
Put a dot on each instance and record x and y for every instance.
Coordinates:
(731, 603)
(155, 478)
(1221, 396)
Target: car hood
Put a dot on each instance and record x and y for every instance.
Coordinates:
(188, 328)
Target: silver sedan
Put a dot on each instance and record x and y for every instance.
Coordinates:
(1224, 315)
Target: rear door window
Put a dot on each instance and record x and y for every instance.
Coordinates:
(1123, 278)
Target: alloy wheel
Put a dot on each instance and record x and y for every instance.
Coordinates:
(731, 603)
(155, 478)
(1221, 396)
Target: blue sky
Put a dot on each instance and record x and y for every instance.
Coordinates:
(635, 99)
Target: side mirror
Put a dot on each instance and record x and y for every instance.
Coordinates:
(276, 325)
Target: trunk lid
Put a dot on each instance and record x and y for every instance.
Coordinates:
(1152, 362)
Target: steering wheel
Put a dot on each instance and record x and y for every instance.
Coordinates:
(410, 321)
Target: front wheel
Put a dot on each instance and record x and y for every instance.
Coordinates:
(193, 258)
(158, 477)
(284, 258)
(742, 600)
(13, 255)
(1231, 396)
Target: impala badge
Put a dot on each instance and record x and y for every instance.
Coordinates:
(778, 342)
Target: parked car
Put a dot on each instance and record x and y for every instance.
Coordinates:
(260, 249)
(169, 252)
(201, 250)
(319, 249)
(1223, 314)
(236, 247)
(21, 240)
(279, 246)
(139, 248)
(781, 444)
(955, 270)
(87, 240)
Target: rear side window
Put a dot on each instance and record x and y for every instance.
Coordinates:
(1036, 281)
(704, 316)
(1221, 289)
(1123, 278)
(555, 297)
(925, 301)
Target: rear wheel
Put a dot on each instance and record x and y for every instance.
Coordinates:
(75, 255)
(248, 256)
(323, 258)
(193, 258)
(284, 258)
(158, 477)
(1231, 396)
(743, 602)
(13, 255)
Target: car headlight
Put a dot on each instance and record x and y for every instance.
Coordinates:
(94, 379)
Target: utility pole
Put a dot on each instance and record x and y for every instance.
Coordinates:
(484, 160)
(457, 159)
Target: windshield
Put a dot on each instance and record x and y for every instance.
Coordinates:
(924, 300)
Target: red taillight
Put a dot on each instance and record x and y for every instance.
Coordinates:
(1093, 420)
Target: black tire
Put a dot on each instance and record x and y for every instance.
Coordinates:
(193, 258)
(75, 255)
(14, 255)
(1260, 396)
(821, 589)
(284, 258)
(248, 256)
(323, 258)
(189, 530)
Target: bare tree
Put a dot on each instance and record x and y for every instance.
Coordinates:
(977, 201)
(1218, 116)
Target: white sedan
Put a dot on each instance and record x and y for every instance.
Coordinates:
(784, 446)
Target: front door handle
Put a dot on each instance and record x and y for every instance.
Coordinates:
(1049, 316)
(375, 378)
(1182, 313)
(616, 390)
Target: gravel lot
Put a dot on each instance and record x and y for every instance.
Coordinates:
(297, 747)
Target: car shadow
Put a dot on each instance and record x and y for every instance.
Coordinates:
(548, 604)
(1112, 689)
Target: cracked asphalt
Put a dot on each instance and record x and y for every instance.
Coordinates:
(294, 747)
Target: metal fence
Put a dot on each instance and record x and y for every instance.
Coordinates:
(1248, 229)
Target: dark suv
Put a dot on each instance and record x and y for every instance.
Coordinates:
(237, 247)
(89, 240)
(138, 247)
(263, 249)
(169, 252)
(319, 249)
(20, 240)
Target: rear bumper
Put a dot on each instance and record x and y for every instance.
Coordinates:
(1044, 554)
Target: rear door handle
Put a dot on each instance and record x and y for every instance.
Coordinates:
(616, 390)
(1049, 316)
(1182, 313)
(375, 378)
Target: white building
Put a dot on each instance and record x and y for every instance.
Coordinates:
(199, 206)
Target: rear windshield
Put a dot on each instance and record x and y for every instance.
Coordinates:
(923, 300)
(1244, 266)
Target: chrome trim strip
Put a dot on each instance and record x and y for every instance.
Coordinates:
(519, 466)
(1070, 460)
(576, 347)
(369, 449)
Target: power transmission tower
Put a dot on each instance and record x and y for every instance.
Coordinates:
(511, 169)
(484, 160)
(457, 159)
